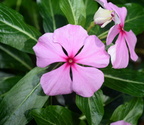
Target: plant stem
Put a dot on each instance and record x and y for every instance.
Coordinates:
(92, 24)
(103, 35)
(18, 4)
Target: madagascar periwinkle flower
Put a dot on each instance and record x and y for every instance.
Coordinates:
(71, 45)
(124, 46)
(102, 17)
(120, 123)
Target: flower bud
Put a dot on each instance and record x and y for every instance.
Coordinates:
(103, 17)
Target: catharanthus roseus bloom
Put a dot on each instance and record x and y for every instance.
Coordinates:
(126, 41)
(80, 49)
(120, 123)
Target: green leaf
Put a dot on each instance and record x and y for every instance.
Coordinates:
(7, 81)
(50, 12)
(129, 112)
(28, 9)
(134, 20)
(141, 2)
(125, 80)
(91, 8)
(11, 58)
(24, 96)
(92, 107)
(15, 32)
(55, 115)
(74, 10)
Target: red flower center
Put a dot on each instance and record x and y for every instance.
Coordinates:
(70, 60)
(121, 29)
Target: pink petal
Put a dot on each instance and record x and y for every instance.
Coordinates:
(57, 82)
(103, 3)
(120, 123)
(112, 34)
(86, 80)
(93, 53)
(120, 11)
(131, 41)
(119, 53)
(47, 51)
(71, 37)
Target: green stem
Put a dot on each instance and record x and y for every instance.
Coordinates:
(103, 35)
(92, 24)
(15, 57)
(18, 4)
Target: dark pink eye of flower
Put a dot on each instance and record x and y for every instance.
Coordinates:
(70, 60)
(73, 46)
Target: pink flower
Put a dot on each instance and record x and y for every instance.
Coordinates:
(120, 123)
(126, 41)
(80, 49)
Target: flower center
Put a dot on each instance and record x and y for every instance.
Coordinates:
(121, 29)
(70, 61)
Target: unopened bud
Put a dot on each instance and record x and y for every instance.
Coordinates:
(103, 17)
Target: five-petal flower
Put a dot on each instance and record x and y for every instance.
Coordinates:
(80, 48)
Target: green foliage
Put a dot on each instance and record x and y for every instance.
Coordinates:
(92, 107)
(74, 11)
(7, 81)
(28, 9)
(51, 14)
(55, 115)
(134, 20)
(129, 112)
(15, 32)
(14, 59)
(125, 80)
(91, 8)
(24, 96)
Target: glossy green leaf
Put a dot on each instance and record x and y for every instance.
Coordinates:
(129, 112)
(92, 107)
(51, 14)
(134, 20)
(11, 58)
(15, 32)
(28, 9)
(91, 8)
(55, 115)
(125, 80)
(24, 96)
(7, 81)
(141, 2)
(74, 10)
